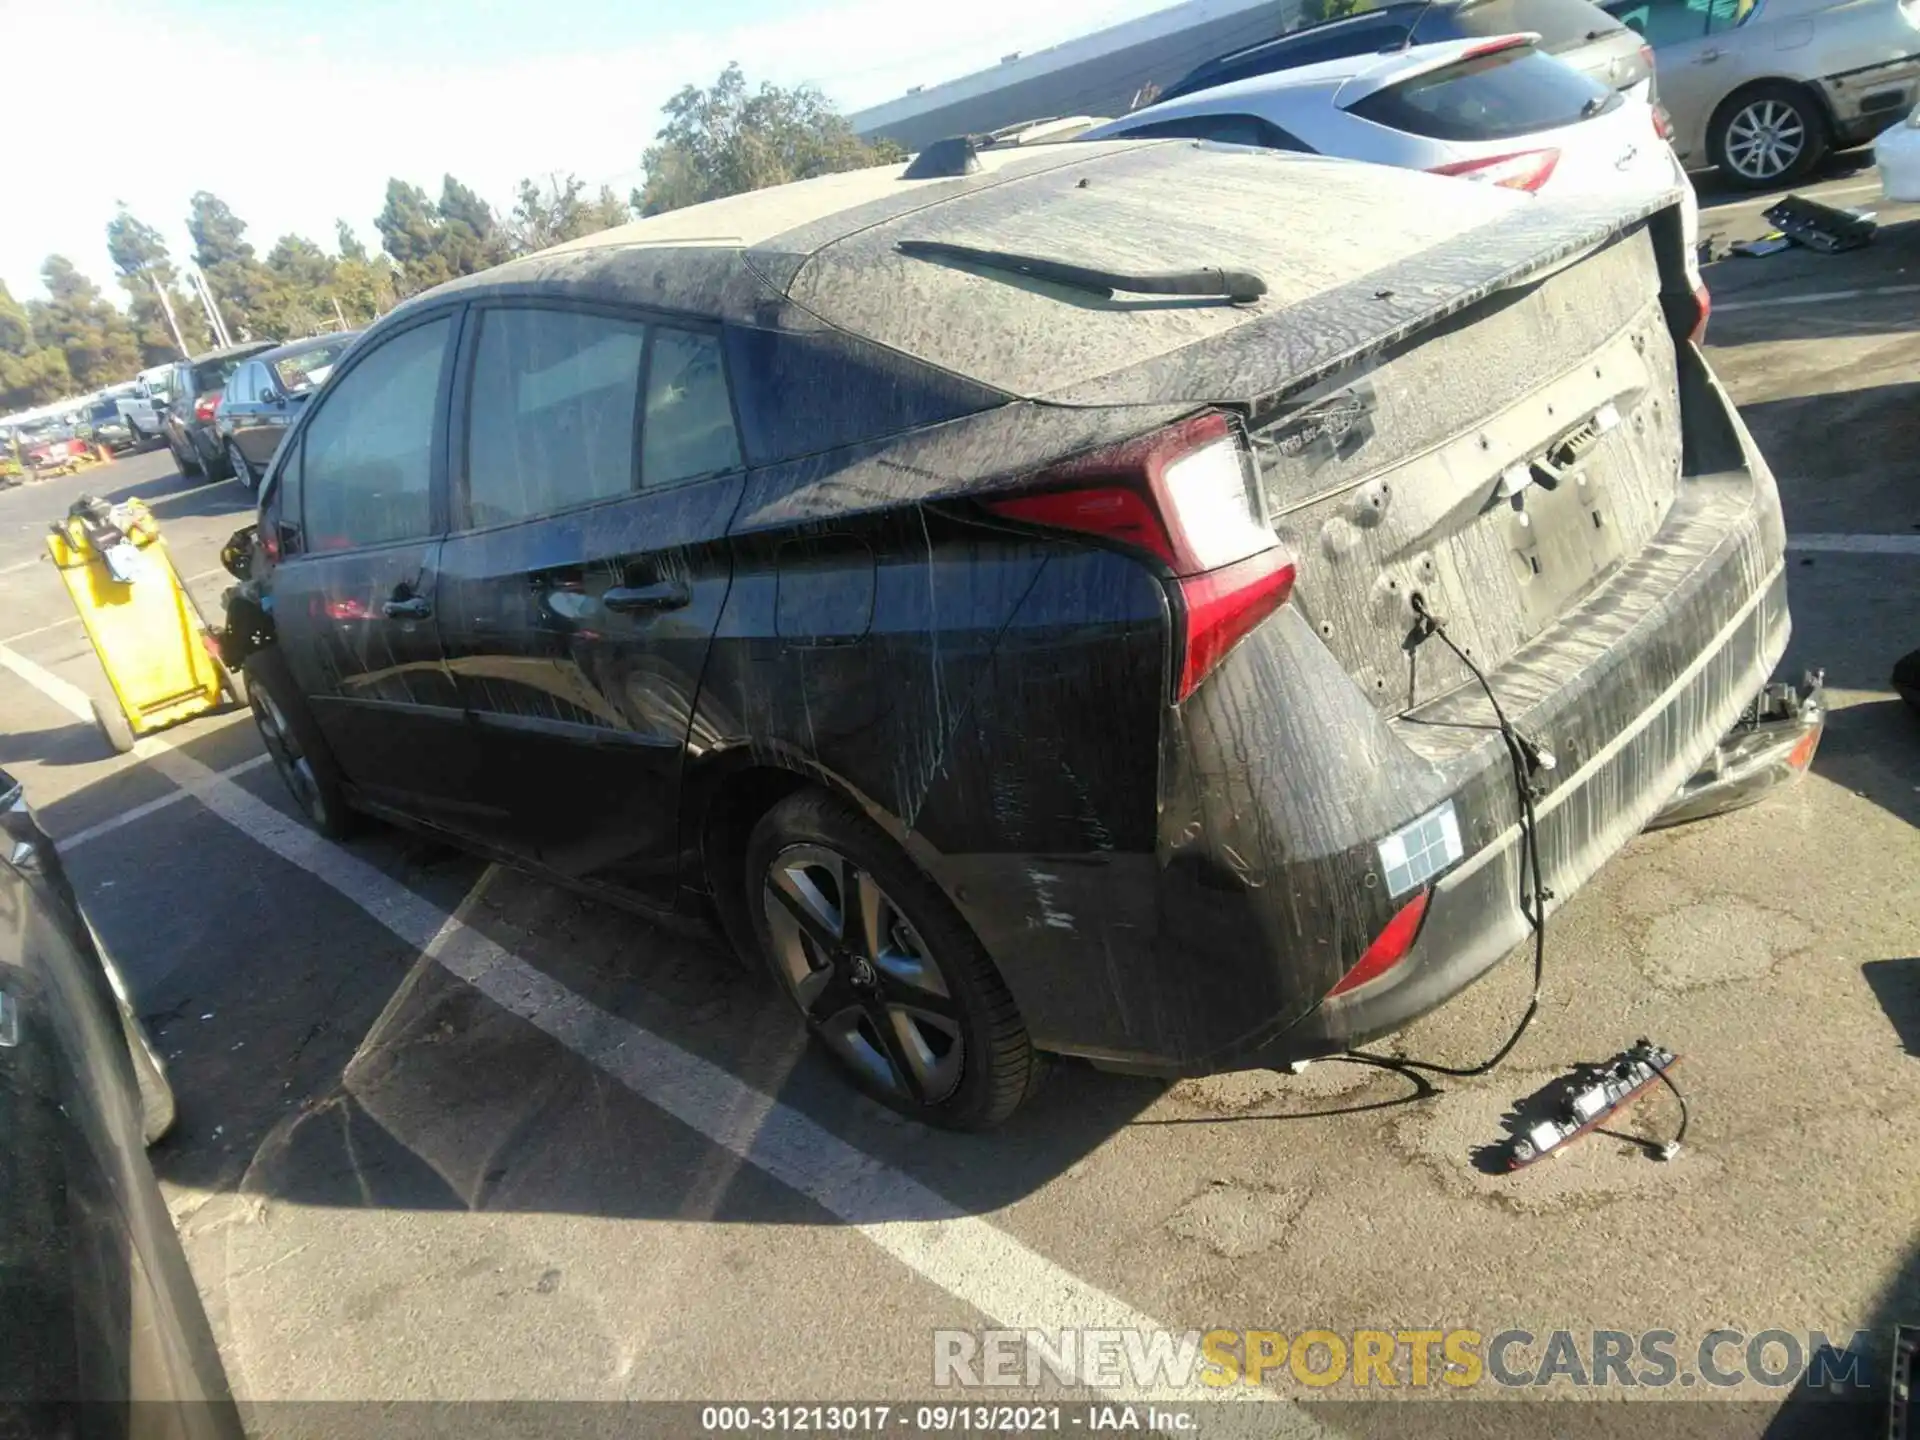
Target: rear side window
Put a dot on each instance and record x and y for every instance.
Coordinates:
(551, 412)
(688, 426)
(1560, 24)
(1490, 97)
(240, 389)
(368, 451)
(802, 394)
(1225, 129)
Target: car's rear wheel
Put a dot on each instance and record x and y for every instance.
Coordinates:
(187, 462)
(885, 973)
(242, 471)
(1769, 135)
(294, 744)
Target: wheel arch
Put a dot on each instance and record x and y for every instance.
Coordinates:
(725, 794)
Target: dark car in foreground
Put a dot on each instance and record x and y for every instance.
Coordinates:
(1575, 32)
(998, 593)
(264, 394)
(188, 404)
(102, 1333)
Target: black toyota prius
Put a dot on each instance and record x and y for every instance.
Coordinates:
(1175, 605)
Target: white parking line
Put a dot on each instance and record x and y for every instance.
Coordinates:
(964, 1255)
(140, 812)
(1819, 298)
(1857, 544)
(75, 619)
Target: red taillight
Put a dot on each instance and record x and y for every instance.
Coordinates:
(1662, 123)
(1703, 307)
(204, 407)
(1646, 56)
(1525, 170)
(1389, 947)
(1187, 497)
(1113, 512)
(1224, 605)
(1493, 47)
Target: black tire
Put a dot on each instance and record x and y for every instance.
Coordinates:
(114, 724)
(926, 958)
(188, 464)
(1738, 139)
(295, 745)
(242, 471)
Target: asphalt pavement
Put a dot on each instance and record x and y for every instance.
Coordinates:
(449, 1133)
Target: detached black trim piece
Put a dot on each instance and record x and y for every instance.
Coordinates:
(1242, 287)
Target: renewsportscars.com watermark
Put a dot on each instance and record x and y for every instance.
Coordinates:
(1374, 1360)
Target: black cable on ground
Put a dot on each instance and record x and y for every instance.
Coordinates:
(1525, 757)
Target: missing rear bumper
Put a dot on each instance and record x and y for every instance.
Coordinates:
(1772, 745)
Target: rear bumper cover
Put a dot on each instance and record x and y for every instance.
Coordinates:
(1864, 102)
(1280, 780)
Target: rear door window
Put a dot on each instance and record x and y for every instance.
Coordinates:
(1501, 96)
(368, 450)
(687, 429)
(241, 389)
(1662, 23)
(551, 412)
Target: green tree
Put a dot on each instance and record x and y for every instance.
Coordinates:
(146, 271)
(559, 211)
(725, 140)
(29, 373)
(433, 243)
(77, 320)
(240, 283)
(299, 298)
(348, 242)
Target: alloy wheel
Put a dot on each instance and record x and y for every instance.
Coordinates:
(283, 746)
(242, 471)
(1765, 139)
(859, 971)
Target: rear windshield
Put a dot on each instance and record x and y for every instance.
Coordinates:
(106, 410)
(308, 370)
(1560, 24)
(1490, 97)
(214, 374)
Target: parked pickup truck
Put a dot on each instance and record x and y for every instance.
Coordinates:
(140, 406)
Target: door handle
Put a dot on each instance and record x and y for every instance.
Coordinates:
(1706, 57)
(411, 607)
(647, 599)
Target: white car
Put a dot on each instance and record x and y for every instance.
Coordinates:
(1897, 153)
(1499, 111)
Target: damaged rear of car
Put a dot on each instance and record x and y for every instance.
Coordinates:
(1493, 414)
(1054, 599)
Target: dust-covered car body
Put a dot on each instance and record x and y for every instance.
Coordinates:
(1096, 603)
(104, 1333)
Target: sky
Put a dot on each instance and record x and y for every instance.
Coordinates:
(296, 112)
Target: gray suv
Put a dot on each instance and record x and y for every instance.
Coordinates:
(191, 396)
(1763, 88)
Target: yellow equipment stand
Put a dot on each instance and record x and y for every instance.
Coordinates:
(147, 633)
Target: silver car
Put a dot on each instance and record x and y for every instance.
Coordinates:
(1763, 88)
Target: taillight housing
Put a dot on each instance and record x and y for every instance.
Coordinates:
(205, 407)
(1188, 498)
(1646, 56)
(1662, 123)
(1703, 308)
(1522, 170)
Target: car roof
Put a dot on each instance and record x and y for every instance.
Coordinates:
(245, 349)
(723, 257)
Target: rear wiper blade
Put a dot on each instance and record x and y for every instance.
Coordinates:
(1242, 287)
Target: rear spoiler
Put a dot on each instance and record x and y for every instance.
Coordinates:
(1404, 65)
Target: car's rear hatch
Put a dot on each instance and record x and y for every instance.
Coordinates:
(1449, 388)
